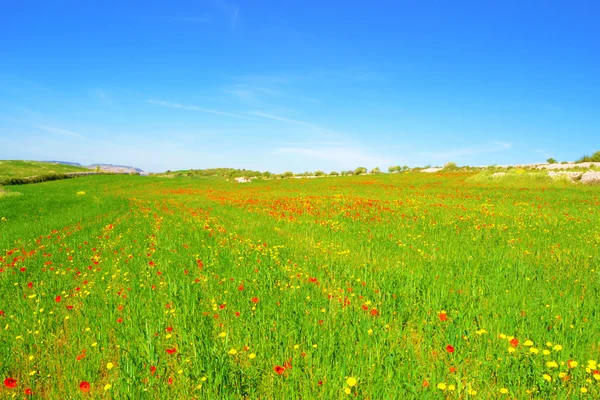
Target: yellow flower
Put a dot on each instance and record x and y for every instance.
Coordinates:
(558, 347)
(451, 388)
(583, 390)
(370, 331)
(233, 351)
(548, 344)
(502, 336)
(480, 332)
(511, 349)
(107, 386)
(109, 366)
(504, 390)
(351, 381)
(546, 352)
(441, 386)
(551, 364)
(222, 334)
(562, 375)
(296, 346)
(347, 390)
(528, 343)
(472, 392)
(597, 377)
(547, 377)
(533, 350)
(251, 356)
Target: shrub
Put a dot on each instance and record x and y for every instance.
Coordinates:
(360, 171)
(551, 161)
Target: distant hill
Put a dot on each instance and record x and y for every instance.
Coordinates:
(115, 168)
(65, 163)
(23, 169)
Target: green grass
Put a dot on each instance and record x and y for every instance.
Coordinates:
(367, 277)
(23, 169)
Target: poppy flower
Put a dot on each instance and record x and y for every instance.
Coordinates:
(169, 329)
(10, 383)
(514, 342)
(119, 320)
(84, 386)
(171, 351)
(28, 391)
(152, 369)
(450, 348)
(443, 316)
(255, 300)
(374, 312)
(57, 299)
(279, 369)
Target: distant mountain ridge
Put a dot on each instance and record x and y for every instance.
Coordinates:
(103, 167)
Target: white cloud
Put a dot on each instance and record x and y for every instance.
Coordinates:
(58, 131)
(195, 108)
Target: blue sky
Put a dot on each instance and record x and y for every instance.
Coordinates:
(299, 85)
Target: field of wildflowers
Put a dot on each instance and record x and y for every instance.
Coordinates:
(372, 287)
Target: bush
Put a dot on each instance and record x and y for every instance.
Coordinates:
(333, 173)
(551, 161)
(35, 179)
(450, 166)
(360, 171)
(394, 168)
(593, 158)
(287, 174)
(376, 170)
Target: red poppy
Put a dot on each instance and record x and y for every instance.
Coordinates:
(152, 369)
(374, 312)
(287, 365)
(450, 348)
(452, 370)
(1, 313)
(364, 307)
(10, 383)
(278, 369)
(170, 381)
(514, 342)
(425, 384)
(241, 287)
(57, 299)
(119, 320)
(320, 383)
(255, 299)
(84, 386)
(443, 316)
(237, 313)
(30, 285)
(169, 329)
(171, 351)
(28, 391)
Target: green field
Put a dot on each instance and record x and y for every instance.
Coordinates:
(24, 169)
(393, 286)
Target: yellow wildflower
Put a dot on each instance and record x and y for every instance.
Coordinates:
(547, 377)
(528, 343)
(441, 386)
(251, 356)
(504, 390)
(533, 350)
(351, 381)
(109, 366)
(233, 351)
(551, 364)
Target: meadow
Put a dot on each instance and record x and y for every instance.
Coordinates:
(22, 169)
(389, 286)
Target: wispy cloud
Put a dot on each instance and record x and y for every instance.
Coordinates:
(58, 131)
(195, 108)
(342, 156)
(470, 150)
(283, 119)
